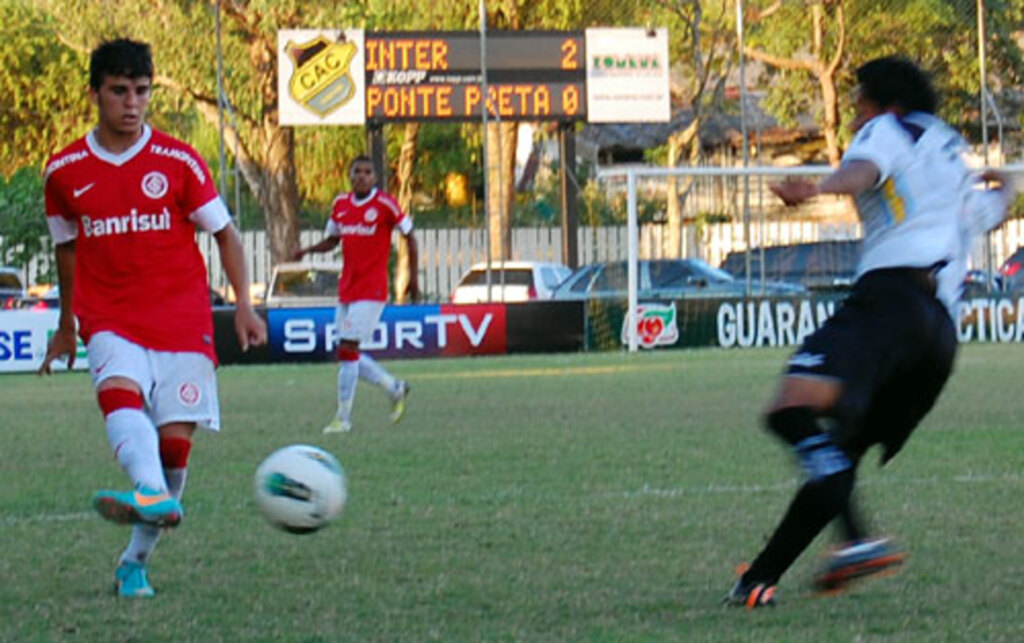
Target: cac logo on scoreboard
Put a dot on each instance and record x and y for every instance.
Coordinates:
(320, 77)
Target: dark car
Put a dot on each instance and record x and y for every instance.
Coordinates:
(660, 279)
(1012, 271)
(817, 265)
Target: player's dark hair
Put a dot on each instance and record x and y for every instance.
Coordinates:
(121, 57)
(362, 158)
(894, 81)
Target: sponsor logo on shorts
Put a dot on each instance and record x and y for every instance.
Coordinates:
(189, 394)
(154, 185)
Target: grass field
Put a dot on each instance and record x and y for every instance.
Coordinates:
(597, 497)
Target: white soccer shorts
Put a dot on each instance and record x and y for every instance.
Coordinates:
(176, 386)
(357, 320)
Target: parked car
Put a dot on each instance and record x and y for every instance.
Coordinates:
(511, 281)
(303, 284)
(818, 265)
(12, 289)
(661, 279)
(1012, 271)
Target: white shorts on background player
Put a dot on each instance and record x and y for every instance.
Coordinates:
(357, 320)
(176, 386)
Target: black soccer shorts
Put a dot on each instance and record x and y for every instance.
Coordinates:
(891, 344)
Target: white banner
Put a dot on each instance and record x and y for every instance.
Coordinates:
(23, 338)
(321, 77)
(627, 75)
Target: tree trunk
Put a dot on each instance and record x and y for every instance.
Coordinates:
(277, 192)
(406, 164)
(674, 212)
(500, 198)
(830, 103)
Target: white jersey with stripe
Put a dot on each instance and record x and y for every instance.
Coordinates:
(912, 216)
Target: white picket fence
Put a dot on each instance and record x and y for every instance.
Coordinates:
(445, 254)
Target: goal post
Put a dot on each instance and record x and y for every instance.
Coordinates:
(637, 177)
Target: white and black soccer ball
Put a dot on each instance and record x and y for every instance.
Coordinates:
(300, 488)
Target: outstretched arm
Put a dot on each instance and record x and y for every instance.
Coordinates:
(851, 179)
(324, 245)
(250, 327)
(64, 342)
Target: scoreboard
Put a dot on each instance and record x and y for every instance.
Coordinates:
(436, 76)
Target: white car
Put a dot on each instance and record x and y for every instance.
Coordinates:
(12, 290)
(511, 281)
(302, 284)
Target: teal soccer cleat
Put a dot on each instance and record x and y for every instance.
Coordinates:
(131, 582)
(145, 506)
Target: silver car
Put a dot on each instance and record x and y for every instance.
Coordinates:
(662, 279)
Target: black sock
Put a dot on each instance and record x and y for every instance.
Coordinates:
(815, 505)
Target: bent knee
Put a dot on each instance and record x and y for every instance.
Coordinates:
(816, 393)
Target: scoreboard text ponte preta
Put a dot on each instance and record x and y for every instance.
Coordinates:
(435, 76)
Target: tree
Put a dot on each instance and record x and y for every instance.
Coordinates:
(814, 46)
(701, 44)
(183, 37)
(23, 233)
(824, 28)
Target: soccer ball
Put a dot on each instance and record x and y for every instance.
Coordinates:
(300, 488)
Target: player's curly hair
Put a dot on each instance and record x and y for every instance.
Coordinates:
(121, 57)
(896, 81)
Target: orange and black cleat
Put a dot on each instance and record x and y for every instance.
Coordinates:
(751, 594)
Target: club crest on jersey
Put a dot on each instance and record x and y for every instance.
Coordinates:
(322, 81)
(371, 215)
(154, 185)
(189, 394)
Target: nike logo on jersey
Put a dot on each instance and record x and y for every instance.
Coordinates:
(77, 192)
(807, 360)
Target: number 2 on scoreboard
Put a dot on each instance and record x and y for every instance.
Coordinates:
(570, 51)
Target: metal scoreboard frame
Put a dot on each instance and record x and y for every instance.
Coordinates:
(356, 77)
(435, 76)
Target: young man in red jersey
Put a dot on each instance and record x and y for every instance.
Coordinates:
(362, 221)
(123, 204)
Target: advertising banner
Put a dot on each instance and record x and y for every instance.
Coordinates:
(23, 338)
(750, 323)
(627, 75)
(310, 334)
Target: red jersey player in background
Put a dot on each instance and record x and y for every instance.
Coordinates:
(123, 204)
(362, 221)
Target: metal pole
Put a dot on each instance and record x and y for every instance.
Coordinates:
(632, 230)
(984, 117)
(487, 159)
(746, 145)
(220, 111)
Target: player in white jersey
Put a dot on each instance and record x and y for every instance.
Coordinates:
(123, 204)
(873, 371)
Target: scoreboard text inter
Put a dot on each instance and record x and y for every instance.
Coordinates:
(435, 76)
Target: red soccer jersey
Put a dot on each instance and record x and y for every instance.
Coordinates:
(133, 216)
(365, 226)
